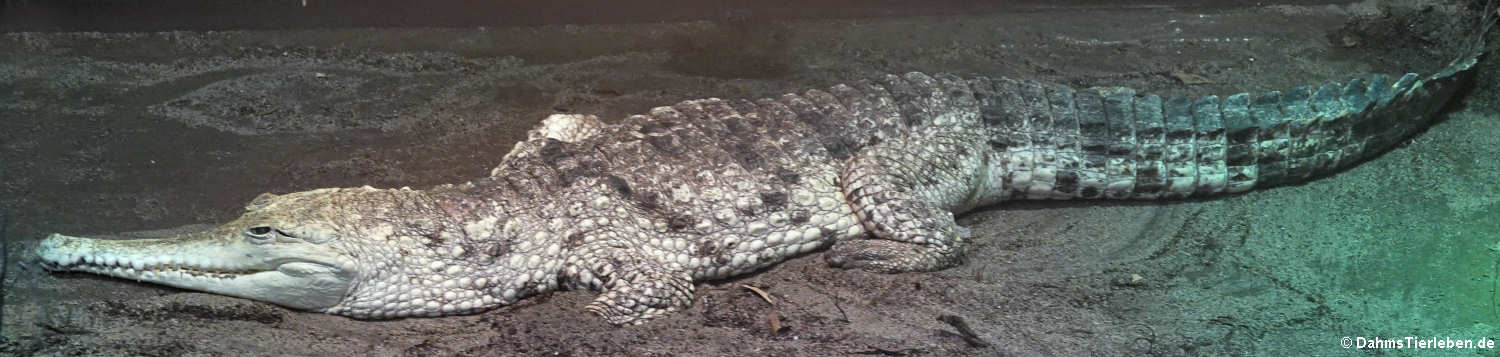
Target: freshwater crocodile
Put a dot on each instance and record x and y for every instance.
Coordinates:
(872, 172)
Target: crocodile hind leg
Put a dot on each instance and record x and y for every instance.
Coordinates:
(912, 236)
(904, 192)
(637, 290)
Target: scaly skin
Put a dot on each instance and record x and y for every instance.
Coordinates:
(708, 189)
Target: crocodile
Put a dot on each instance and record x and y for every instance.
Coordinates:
(871, 173)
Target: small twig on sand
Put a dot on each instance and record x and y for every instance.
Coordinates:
(841, 308)
(964, 331)
(760, 292)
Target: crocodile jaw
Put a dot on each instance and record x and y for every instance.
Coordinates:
(304, 276)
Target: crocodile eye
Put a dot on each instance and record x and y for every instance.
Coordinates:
(261, 232)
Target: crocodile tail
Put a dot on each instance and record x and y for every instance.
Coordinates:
(1053, 142)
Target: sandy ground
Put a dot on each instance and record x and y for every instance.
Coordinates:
(105, 133)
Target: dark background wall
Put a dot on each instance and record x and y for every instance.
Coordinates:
(156, 15)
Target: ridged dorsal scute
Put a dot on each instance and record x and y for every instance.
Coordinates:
(910, 100)
(875, 114)
(703, 128)
(1242, 140)
(799, 139)
(722, 122)
(1093, 142)
(1178, 153)
(1150, 138)
(838, 126)
(533, 174)
(754, 133)
(1121, 146)
(1209, 145)
(924, 100)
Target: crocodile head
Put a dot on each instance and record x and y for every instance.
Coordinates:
(360, 252)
